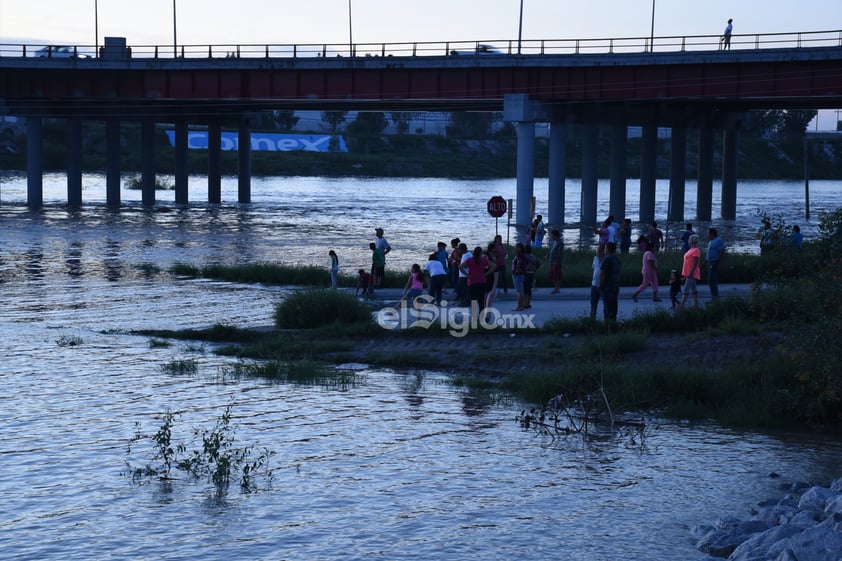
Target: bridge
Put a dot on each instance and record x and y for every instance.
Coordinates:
(677, 82)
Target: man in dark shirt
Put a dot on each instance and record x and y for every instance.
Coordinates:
(609, 281)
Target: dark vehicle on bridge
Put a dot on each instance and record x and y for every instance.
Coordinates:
(479, 50)
(60, 52)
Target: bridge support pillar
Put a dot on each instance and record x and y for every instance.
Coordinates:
(147, 165)
(590, 178)
(557, 175)
(648, 172)
(525, 177)
(617, 201)
(519, 109)
(244, 161)
(181, 175)
(34, 162)
(678, 177)
(112, 162)
(704, 188)
(214, 155)
(74, 162)
(729, 174)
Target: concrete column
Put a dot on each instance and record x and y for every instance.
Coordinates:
(244, 161)
(112, 162)
(704, 187)
(648, 172)
(74, 162)
(557, 175)
(617, 201)
(181, 177)
(214, 157)
(525, 177)
(678, 177)
(34, 162)
(590, 173)
(147, 171)
(729, 174)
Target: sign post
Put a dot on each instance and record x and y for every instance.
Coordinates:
(496, 208)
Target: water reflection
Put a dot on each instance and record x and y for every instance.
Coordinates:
(73, 259)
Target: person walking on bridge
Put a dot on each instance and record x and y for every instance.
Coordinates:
(726, 36)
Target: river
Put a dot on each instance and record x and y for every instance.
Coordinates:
(401, 465)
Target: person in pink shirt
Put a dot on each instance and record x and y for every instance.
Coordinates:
(649, 270)
(691, 272)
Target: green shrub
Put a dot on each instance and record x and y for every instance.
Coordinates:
(308, 309)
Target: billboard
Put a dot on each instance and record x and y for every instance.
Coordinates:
(265, 141)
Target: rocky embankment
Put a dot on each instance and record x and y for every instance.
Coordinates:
(805, 525)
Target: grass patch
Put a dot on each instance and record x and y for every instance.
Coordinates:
(305, 372)
(308, 309)
(181, 367)
(217, 333)
(155, 343)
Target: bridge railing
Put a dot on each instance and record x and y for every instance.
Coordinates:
(527, 47)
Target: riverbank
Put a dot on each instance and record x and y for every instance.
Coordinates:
(806, 524)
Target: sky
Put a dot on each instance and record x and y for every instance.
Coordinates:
(231, 22)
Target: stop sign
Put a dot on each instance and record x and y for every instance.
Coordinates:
(496, 206)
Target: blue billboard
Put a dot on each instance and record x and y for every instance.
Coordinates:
(265, 141)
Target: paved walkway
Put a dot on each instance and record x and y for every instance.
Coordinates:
(575, 302)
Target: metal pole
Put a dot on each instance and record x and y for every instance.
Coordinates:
(806, 182)
(652, 30)
(96, 28)
(174, 36)
(350, 32)
(520, 27)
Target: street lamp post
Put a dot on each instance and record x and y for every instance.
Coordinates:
(350, 31)
(174, 35)
(652, 30)
(96, 29)
(520, 27)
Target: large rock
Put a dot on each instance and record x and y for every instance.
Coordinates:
(815, 498)
(822, 543)
(766, 545)
(722, 542)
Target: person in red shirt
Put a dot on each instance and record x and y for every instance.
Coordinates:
(476, 268)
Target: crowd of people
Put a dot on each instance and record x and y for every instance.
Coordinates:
(476, 276)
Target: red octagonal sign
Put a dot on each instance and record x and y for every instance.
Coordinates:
(496, 206)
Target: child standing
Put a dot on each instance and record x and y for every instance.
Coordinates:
(364, 284)
(675, 287)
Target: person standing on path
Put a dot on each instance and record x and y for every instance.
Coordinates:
(476, 268)
(556, 259)
(596, 294)
(726, 35)
(691, 273)
(685, 237)
(716, 248)
(438, 277)
(384, 248)
(609, 281)
(378, 266)
(500, 260)
(625, 235)
(519, 275)
(655, 237)
(649, 270)
(334, 268)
